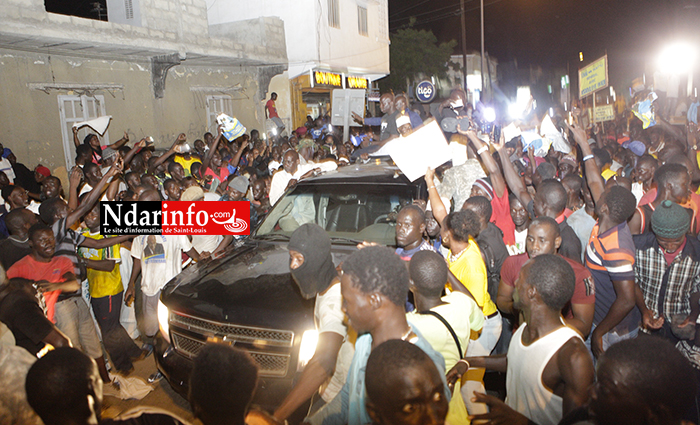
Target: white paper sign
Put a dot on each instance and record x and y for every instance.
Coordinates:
(425, 147)
(99, 124)
(510, 131)
(550, 131)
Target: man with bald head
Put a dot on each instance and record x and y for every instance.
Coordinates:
(550, 201)
(387, 123)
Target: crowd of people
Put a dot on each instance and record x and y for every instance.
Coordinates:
(573, 272)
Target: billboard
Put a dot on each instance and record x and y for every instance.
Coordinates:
(593, 77)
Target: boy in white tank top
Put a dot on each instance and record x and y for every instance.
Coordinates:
(548, 366)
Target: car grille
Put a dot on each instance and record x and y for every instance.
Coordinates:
(269, 364)
(249, 334)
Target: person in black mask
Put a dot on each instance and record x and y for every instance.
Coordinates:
(312, 269)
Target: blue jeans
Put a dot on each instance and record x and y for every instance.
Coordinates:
(609, 339)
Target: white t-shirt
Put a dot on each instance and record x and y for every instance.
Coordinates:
(329, 317)
(161, 262)
(520, 243)
(206, 243)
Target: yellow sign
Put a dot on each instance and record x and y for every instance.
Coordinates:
(604, 113)
(323, 78)
(357, 83)
(593, 77)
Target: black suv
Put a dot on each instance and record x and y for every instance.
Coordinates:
(247, 296)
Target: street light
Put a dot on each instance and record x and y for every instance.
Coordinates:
(677, 58)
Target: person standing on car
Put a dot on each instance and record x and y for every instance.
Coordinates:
(312, 268)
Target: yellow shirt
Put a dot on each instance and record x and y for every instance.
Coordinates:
(470, 269)
(187, 165)
(607, 173)
(102, 284)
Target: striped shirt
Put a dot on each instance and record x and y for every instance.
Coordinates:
(610, 257)
(667, 288)
(67, 241)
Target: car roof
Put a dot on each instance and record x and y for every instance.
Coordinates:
(376, 171)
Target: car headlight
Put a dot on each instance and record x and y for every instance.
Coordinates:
(309, 341)
(163, 315)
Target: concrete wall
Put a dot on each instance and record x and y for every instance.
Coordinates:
(345, 48)
(300, 18)
(310, 41)
(168, 26)
(30, 119)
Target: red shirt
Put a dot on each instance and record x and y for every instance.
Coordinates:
(271, 109)
(53, 271)
(670, 256)
(222, 176)
(584, 291)
(500, 216)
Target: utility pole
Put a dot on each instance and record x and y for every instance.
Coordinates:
(483, 86)
(464, 47)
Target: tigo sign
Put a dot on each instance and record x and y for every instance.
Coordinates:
(425, 91)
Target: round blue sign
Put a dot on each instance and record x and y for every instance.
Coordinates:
(425, 91)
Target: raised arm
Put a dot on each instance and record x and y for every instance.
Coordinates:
(119, 143)
(95, 194)
(130, 155)
(593, 178)
(161, 160)
(511, 176)
(76, 140)
(692, 140)
(210, 153)
(76, 175)
(438, 208)
(482, 149)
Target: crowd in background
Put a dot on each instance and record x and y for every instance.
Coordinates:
(535, 264)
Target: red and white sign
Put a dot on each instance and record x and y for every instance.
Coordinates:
(206, 218)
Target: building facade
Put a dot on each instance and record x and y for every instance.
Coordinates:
(158, 67)
(331, 44)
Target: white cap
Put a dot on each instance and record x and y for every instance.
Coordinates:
(402, 120)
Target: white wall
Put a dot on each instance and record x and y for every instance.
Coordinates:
(342, 49)
(298, 16)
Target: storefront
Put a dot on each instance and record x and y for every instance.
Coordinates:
(311, 93)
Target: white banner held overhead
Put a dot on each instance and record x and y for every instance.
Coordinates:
(99, 124)
(425, 148)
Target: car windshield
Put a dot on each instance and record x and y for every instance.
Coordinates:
(350, 213)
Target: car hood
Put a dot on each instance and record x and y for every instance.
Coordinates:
(250, 285)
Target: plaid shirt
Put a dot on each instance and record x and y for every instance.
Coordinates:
(667, 289)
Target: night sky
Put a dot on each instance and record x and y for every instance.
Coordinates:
(546, 33)
(549, 33)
